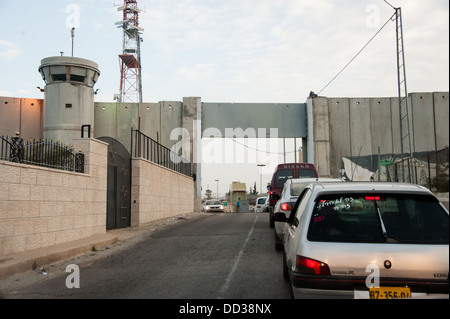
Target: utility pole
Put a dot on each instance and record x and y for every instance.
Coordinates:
(260, 177)
(217, 189)
(403, 105)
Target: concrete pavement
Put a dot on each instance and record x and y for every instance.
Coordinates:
(14, 264)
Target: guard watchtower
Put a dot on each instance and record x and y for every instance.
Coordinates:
(69, 96)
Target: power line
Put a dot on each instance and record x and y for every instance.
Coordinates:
(258, 150)
(390, 5)
(371, 39)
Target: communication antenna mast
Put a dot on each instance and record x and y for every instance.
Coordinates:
(130, 59)
(405, 135)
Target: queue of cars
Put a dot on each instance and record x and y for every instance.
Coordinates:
(289, 195)
(362, 239)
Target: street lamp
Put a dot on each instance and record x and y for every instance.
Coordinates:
(260, 177)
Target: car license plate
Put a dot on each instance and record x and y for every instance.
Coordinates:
(390, 293)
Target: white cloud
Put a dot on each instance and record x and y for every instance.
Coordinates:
(5, 93)
(254, 50)
(266, 50)
(9, 51)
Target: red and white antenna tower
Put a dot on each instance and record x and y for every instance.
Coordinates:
(130, 59)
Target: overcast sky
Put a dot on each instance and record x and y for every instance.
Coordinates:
(234, 50)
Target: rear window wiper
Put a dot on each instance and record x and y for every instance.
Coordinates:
(383, 227)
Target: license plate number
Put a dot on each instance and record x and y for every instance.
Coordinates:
(390, 293)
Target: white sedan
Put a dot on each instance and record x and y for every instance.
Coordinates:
(367, 240)
(213, 206)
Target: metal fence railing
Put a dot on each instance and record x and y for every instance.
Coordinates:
(430, 169)
(147, 148)
(43, 153)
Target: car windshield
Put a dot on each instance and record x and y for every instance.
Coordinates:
(213, 202)
(261, 201)
(379, 218)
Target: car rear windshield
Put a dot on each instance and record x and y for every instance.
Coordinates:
(379, 218)
(281, 177)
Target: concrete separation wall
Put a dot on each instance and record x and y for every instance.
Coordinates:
(21, 115)
(157, 193)
(347, 132)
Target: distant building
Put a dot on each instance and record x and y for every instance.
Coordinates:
(238, 194)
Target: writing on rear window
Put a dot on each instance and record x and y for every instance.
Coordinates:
(336, 204)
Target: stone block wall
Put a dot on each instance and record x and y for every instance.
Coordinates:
(157, 193)
(42, 207)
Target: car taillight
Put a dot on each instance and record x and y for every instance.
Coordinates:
(286, 206)
(373, 198)
(310, 266)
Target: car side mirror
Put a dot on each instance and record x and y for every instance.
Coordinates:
(274, 196)
(280, 217)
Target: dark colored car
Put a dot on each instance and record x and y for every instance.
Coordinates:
(282, 173)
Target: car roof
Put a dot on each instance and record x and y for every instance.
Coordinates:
(312, 180)
(370, 186)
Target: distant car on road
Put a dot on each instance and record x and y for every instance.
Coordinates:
(367, 240)
(213, 206)
(261, 204)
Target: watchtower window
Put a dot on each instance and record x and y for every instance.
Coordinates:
(59, 77)
(77, 78)
(68, 106)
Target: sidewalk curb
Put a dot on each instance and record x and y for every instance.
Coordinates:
(23, 262)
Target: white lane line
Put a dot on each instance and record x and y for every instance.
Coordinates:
(236, 262)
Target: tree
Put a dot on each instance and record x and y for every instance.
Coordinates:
(253, 190)
(208, 194)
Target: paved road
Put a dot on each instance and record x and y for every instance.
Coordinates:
(220, 256)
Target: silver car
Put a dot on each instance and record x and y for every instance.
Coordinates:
(213, 206)
(367, 240)
(289, 195)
